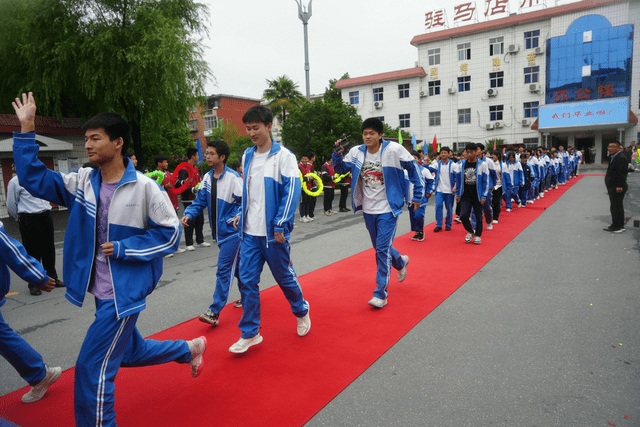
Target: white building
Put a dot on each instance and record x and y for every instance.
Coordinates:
(535, 78)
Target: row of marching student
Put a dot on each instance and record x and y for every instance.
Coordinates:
(482, 181)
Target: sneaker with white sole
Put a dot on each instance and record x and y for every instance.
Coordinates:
(243, 344)
(468, 238)
(210, 317)
(402, 273)
(203, 245)
(508, 210)
(169, 256)
(489, 226)
(304, 324)
(238, 304)
(37, 391)
(180, 251)
(190, 248)
(377, 302)
(495, 221)
(304, 219)
(477, 240)
(197, 347)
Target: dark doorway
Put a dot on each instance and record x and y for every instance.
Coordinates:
(588, 147)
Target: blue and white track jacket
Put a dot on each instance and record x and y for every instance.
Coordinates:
(483, 181)
(281, 186)
(143, 225)
(512, 175)
(452, 174)
(395, 159)
(428, 185)
(15, 256)
(228, 204)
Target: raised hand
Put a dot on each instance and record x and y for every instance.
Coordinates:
(26, 112)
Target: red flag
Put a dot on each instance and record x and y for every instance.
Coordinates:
(435, 144)
(495, 144)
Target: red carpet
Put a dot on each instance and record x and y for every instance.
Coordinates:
(287, 379)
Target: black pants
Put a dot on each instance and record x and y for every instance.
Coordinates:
(328, 198)
(465, 213)
(195, 224)
(37, 238)
(617, 206)
(496, 203)
(344, 193)
(304, 204)
(312, 206)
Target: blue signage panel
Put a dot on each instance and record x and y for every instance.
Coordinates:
(586, 113)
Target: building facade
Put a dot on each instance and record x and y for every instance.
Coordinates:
(555, 76)
(216, 110)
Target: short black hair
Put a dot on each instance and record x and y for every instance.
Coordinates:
(191, 152)
(235, 165)
(445, 148)
(222, 148)
(471, 146)
(373, 123)
(497, 153)
(310, 155)
(258, 113)
(480, 145)
(158, 158)
(511, 154)
(415, 153)
(129, 154)
(328, 157)
(113, 124)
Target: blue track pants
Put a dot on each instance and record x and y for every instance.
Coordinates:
(228, 260)
(21, 355)
(447, 200)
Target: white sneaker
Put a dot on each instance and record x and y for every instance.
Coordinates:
(468, 238)
(197, 347)
(304, 324)
(477, 240)
(495, 221)
(203, 244)
(243, 344)
(180, 251)
(168, 256)
(519, 205)
(304, 219)
(377, 302)
(37, 391)
(489, 226)
(310, 218)
(191, 248)
(542, 194)
(508, 210)
(402, 273)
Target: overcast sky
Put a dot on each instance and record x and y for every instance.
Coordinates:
(254, 40)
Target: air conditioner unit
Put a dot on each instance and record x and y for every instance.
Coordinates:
(452, 90)
(377, 105)
(513, 48)
(492, 92)
(498, 125)
(538, 50)
(423, 94)
(489, 126)
(525, 122)
(534, 87)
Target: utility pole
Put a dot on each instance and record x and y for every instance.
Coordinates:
(304, 14)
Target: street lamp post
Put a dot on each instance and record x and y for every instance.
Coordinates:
(304, 14)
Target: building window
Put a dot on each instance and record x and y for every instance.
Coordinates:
(464, 115)
(495, 112)
(531, 39)
(531, 74)
(381, 118)
(531, 109)
(530, 142)
(496, 46)
(464, 51)
(403, 90)
(464, 84)
(496, 79)
(405, 120)
(193, 125)
(354, 97)
(210, 122)
(378, 94)
(434, 88)
(434, 56)
(434, 118)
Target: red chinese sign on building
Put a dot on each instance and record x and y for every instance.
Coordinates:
(604, 91)
(434, 19)
(464, 11)
(530, 3)
(499, 6)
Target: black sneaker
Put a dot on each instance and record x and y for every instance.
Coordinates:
(35, 291)
(238, 304)
(448, 229)
(613, 229)
(344, 210)
(420, 236)
(59, 284)
(437, 229)
(415, 236)
(209, 317)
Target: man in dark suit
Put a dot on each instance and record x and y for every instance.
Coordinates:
(616, 182)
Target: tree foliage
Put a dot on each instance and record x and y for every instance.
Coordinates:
(139, 58)
(315, 126)
(282, 95)
(389, 132)
(331, 92)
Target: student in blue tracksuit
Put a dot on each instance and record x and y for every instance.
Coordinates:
(444, 182)
(13, 347)
(378, 188)
(512, 179)
(416, 216)
(472, 191)
(270, 195)
(121, 225)
(528, 174)
(221, 192)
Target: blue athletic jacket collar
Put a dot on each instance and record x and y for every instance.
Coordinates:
(130, 175)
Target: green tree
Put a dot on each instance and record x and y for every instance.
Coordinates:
(282, 95)
(317, 125)
(389, 132)
(331, 92)
(139, 58)
(237, 148)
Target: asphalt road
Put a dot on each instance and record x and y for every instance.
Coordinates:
(527, 341)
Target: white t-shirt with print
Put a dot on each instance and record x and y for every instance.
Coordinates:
(372, 178)
(255, 222)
